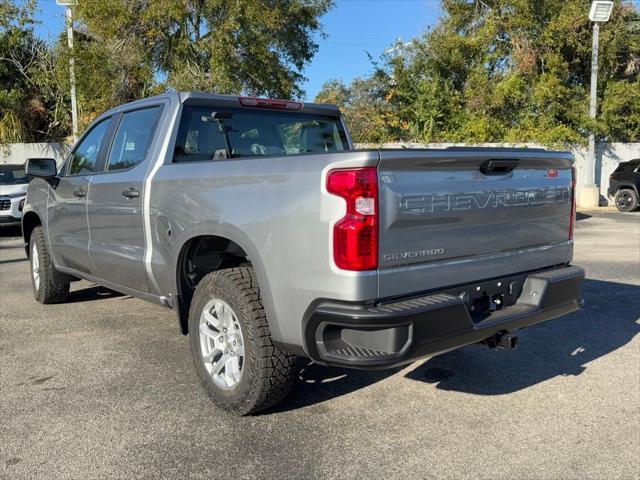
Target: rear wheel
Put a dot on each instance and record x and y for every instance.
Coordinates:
(626, 200)
(238, 364)
(46, 288)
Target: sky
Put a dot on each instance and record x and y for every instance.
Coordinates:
(353, 27)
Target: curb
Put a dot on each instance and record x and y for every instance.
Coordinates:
(598, 209)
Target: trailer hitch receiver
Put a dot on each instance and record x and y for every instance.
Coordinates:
(502, 340)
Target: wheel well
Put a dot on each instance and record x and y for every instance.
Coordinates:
(30, 221)
(198, 257)
(626, 186)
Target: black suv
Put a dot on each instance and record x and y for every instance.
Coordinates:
(624, 184)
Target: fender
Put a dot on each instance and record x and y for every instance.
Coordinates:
(622, 185)
(236, 235)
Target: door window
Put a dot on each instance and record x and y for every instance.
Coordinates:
(84, 159)
(133, 138)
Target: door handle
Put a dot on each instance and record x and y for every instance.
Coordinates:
(131, 193)
(79, 193)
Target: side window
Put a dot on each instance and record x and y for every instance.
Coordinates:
(133, 138)
(84, 159)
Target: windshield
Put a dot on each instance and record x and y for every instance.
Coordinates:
(12, 176)
(207, 133)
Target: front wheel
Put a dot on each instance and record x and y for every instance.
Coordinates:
(626, 200)
(238, 364)
(46, 288)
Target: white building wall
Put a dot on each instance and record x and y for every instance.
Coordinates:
(17, 153)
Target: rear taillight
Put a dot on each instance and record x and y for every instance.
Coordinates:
(270, 103)
(572, 220)
(355, 236)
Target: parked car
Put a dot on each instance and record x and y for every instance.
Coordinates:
(13, 190)
(272, 238)
(624, 185)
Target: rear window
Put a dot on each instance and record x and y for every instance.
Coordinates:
(210, 133)
(621, 168)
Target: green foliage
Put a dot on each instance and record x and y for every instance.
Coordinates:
(106, 76)
(29, 99)
(256, 47)
(620, 116)
(364, 106)
(508, 71)
(128, 49)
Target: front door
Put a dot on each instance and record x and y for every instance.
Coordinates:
(68, 228)
(115, 207)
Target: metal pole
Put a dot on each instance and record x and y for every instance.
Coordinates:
(72, 77)
(591, 171)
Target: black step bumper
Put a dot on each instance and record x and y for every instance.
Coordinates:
(402, 331)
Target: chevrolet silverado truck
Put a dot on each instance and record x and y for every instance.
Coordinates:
(272, 238)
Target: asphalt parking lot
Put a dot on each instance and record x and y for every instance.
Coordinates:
(104, 387)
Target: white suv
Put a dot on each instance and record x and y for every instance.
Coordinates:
(13, 191)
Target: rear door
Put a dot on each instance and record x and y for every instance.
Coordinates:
(67, 209)
(458, 205)
(115, 207)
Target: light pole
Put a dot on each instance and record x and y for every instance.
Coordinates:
(599, 13)
(72, 69)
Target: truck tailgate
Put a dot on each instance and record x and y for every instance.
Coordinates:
(444, 207)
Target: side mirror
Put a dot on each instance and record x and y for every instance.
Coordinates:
(41, 168)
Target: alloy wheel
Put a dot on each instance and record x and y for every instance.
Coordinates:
(221, 343)
(35, 266)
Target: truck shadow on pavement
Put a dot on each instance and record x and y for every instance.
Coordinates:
(316, 384)
(95, 292)
(561, 347)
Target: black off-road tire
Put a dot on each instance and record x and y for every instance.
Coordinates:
(50, 290)
(626, 200)
(267, 372)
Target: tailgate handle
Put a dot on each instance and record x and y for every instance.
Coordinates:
(498, 167)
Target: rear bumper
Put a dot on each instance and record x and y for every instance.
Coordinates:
(390, 334)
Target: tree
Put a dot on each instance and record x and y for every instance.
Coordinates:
(256, 47)
(516, 71)
(31, 107)
(365, 107)
(106, 75)
(128, 49)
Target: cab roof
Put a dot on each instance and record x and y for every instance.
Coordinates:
(203, 98)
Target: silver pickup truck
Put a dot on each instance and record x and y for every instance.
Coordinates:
(258, 222)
